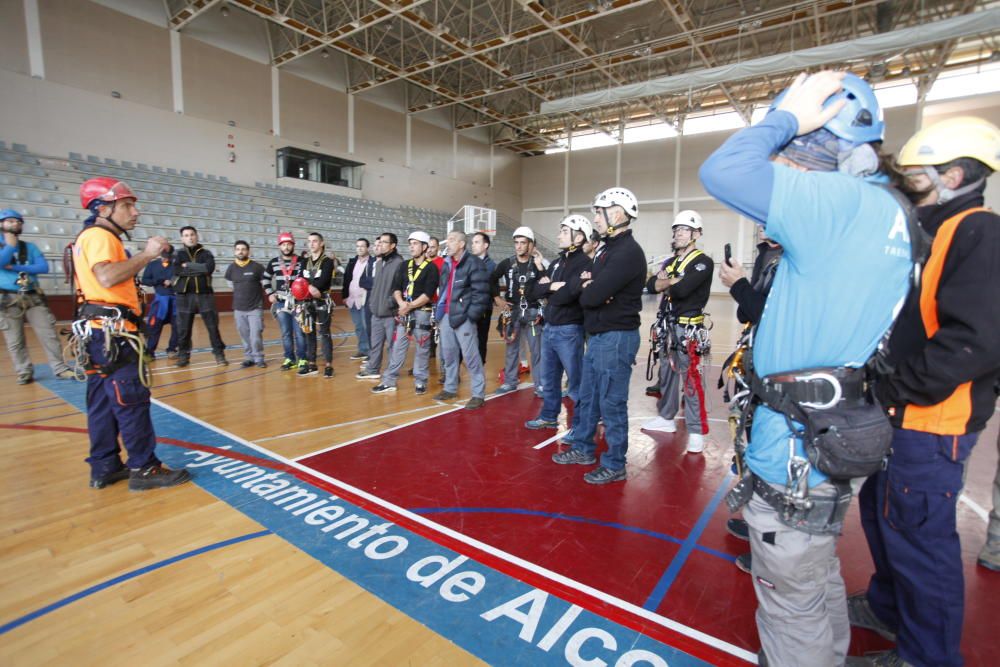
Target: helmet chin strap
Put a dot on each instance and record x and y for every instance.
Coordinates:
(946, 194)
(611, 227)
(111, 222)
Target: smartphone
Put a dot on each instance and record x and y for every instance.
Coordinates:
(729, 254)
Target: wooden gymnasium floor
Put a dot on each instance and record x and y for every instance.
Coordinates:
(331, 526)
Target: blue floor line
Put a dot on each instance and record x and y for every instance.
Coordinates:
(18, 622)
(690, 543)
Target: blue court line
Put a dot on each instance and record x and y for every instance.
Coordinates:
(18, 622)
(567, 517)
(689, 545)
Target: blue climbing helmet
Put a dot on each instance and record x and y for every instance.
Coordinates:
(11, 213)
(861, 120)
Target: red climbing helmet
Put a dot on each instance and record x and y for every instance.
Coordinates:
(106, 189)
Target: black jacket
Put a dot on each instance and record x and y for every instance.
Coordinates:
(505, 281)
(955, 368)
(613, 300)
(751, 295)
(319, 276)
(196, 277)
(689, 295)
(563, 306)
(470, 291)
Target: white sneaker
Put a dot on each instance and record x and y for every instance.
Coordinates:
(660, 424)
(696, 443)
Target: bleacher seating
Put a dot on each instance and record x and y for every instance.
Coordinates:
(44, 190)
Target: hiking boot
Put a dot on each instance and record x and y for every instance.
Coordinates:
(171, 354)
(110, 478)
(574, 456)
(504, 389)
(475, 403)
(156, 476)
(861, 615)
(368, 375)
(660, 424)
(220, 360)
(328, 372)
(744, 562)
(182, 361)
(420, 389)
(738, 528)
(308, 369)
(359, 357)
(602, 475)
(287, 365)
(261, 364)
(383, 389)
(653, 390)
(538, 423)
(247, 363)
(444, 396)
(25, 378)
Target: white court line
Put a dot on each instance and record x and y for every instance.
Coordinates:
(663, 621)
(977, 509)
(544, 443)
(458, 406)
(351, 423)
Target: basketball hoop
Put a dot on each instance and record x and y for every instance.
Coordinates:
(471, 219)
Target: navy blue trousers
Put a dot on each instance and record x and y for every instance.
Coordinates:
(908, 514)
(117, 405)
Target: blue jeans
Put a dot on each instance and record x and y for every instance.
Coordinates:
(607, 370)
(361, 318)
(117, 406)
(562, 350)
(908, 513)
(292, 339)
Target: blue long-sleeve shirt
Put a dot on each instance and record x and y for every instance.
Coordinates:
(845, 269)
(10, 268)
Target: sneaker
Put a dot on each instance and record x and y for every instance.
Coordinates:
(504, 389)
(861, 615)
(574, 456)
(171, 354)
(539, 423)
(110, 478)
(182, 361)
(288, 365)
(149, 357)
(444, 396)
(247, 363)
(358, 356)
(738, 528)
(989, 557)
(475, 403)
(653, 390)
(328, 372)
(744, 563)
(261, 364)
(660, 424)
(602, 475)
(156, 477)
(308, 369)
(420, 389)
(220, 360)
(368, 375)
(66, 374)
(696, 443)
(383, 389)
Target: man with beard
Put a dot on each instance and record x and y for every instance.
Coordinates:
(248, 304)
(317, 269)
(193, 266)
(416, 283)
(279, 274)
(511, 284)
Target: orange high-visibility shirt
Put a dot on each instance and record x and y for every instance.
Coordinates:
(93, 246)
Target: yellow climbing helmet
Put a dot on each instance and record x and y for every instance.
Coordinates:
(947, 140)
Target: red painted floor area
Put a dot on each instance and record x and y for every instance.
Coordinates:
(478, 473)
